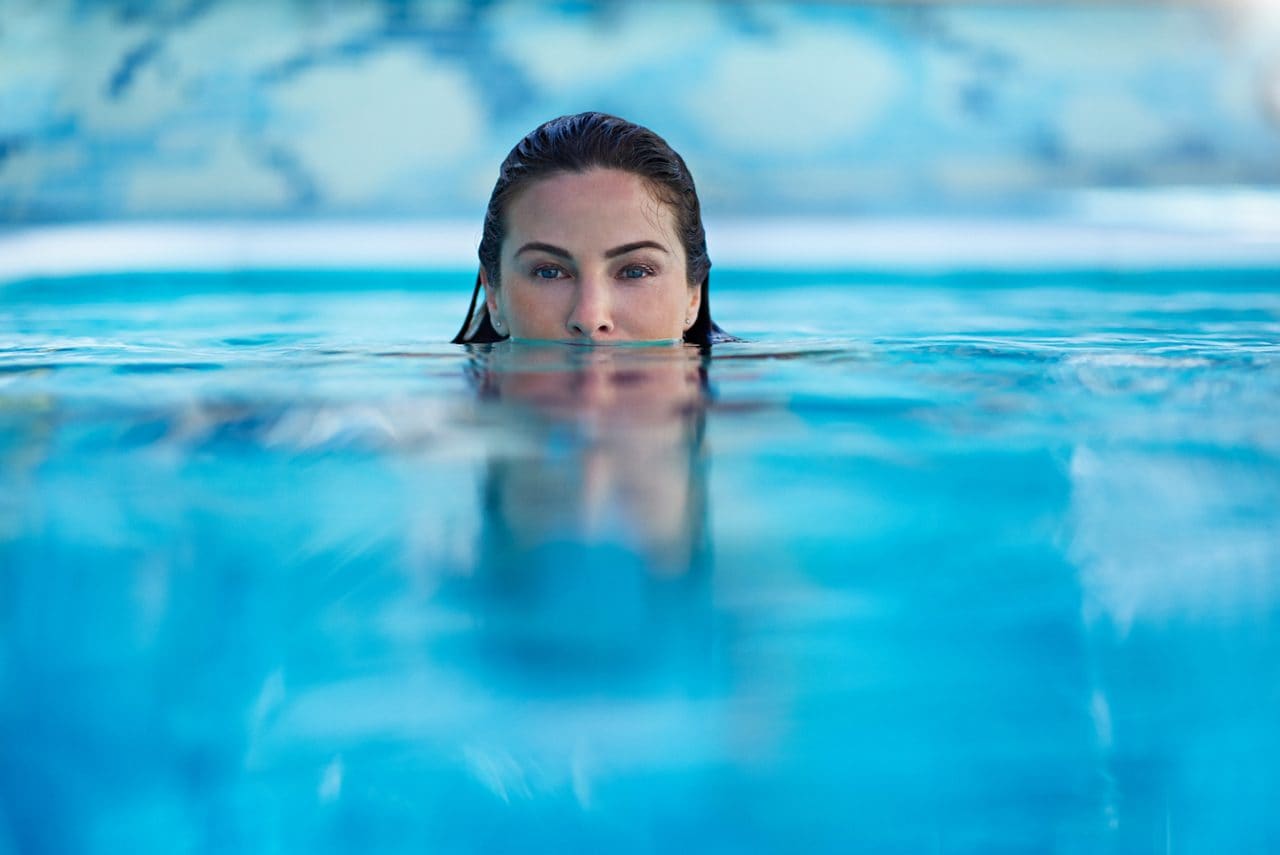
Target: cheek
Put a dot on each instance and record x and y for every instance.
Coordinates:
(526, 305)
(675, 302)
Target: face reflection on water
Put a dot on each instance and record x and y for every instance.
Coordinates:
(615, 457)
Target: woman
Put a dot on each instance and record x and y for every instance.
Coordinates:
(593, 235)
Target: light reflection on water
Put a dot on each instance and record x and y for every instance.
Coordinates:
(946, 569)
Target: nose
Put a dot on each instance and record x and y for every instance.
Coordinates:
(591, 316)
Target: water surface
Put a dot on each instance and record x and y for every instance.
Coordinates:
(947, 564)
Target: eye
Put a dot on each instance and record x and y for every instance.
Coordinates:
(635, 271)
(548, 272)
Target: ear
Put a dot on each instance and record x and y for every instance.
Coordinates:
(491, 299)
(695, 303)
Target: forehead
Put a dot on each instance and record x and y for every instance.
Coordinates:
(608, 206)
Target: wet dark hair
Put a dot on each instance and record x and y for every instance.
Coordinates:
(576, 144)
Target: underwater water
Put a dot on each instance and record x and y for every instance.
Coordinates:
(966, 563)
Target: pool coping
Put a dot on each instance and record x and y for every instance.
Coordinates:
(790, 244)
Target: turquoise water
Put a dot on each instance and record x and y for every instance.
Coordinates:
(972, 563)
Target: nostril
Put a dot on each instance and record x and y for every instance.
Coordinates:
(587, 329)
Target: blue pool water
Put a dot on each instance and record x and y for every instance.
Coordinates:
(970, 563)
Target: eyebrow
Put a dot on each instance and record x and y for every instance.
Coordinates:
(551, 249)
(630, 247)
(535, 246)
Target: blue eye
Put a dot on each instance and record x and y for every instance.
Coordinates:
(547, 273)
(636, 271)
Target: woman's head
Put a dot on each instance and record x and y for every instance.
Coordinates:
(593, 232)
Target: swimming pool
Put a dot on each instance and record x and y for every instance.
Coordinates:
(931, 562)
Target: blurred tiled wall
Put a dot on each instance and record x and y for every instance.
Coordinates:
(242, 108)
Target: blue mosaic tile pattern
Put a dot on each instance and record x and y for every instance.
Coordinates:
(233, 108)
